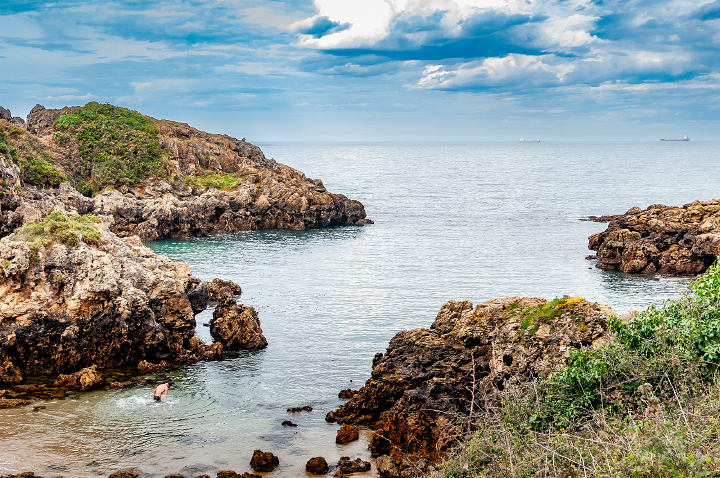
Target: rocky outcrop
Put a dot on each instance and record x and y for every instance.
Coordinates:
(317, 466)
(84, 379)
(346, 434)
(263, 461)
(660, 239)
(110, 304)
(248, 192)
(235, 326)
(425, 379)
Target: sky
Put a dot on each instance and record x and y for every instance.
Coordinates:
(376, 70)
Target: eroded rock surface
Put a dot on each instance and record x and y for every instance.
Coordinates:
(115, 304)
(423, 381)
(263, 461)
(263, 195)
(235, 326)
(660, 239)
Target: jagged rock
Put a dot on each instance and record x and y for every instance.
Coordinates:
(660, 239)
(85, 379)
(348, 466)
(5, 114)
(346, 434)
(27, 474)
(267, 194)
(40, 120)
(306, 408)
(317, 466)
(219, 290)
(12, 402)
(146, 367)
(112, 304)
(386, 467)
(235, 326)
(197, 295)
(424, 378)
(288, 423)
(263, 461)
(347, 393)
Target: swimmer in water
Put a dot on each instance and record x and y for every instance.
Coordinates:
(160, 390)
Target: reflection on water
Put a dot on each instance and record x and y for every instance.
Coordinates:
(453, 221)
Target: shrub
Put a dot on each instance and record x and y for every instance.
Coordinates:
(215, 179)
(117, 146)
(58, 228)
(643, 405)
(39, 171)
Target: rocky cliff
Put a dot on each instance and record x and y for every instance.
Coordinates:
(155, 178)
(74, 295)
(660, 239)
(424, 382)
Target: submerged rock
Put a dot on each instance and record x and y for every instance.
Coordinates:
(145, 367)
(306, 408)
(264, 461)
(348, 466)
(660, 239)
(85, 379)
(425, 377)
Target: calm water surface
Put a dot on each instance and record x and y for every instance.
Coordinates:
(452, 221)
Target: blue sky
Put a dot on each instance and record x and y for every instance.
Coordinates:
(366, 70)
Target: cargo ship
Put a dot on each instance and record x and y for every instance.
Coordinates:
(523, 140)
(675, 138)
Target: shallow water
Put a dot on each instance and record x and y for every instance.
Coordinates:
(452, 221)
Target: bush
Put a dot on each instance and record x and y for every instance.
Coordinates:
(58, 228)
(117, 146)
(645, 404)
(37, 170)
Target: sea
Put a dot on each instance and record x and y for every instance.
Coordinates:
(453, 221)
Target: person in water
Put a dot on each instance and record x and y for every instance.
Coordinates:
(160, 390)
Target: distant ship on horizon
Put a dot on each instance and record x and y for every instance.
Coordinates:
(675, 138)
(523, 140)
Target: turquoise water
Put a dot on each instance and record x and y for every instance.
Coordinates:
(452, 221)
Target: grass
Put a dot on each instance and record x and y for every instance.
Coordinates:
(645, 404)
(118, 146)
(215, 179)
(532, 317)
(57, 228)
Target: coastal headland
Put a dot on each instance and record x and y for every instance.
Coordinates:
(80, 189)
(660, 239)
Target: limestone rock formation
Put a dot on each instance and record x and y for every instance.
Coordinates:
(660, 239)
(346, 434)
(348, 466)
(235, 326)
(317, 466)
(424, 379)
(263, 461)
(109, 302)
(207, 184)
(84, 379)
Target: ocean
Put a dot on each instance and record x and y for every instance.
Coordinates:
(453, 221)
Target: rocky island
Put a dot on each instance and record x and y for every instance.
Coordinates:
(661, 239)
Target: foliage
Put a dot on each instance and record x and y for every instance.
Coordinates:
(39, 171)
(117, 146)
(215, 179)
(645, 404)
(58, 228)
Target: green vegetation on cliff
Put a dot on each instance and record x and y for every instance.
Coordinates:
(645, 404)
(37, 165)
(58, 228)
(215, 179)
(117, 146)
